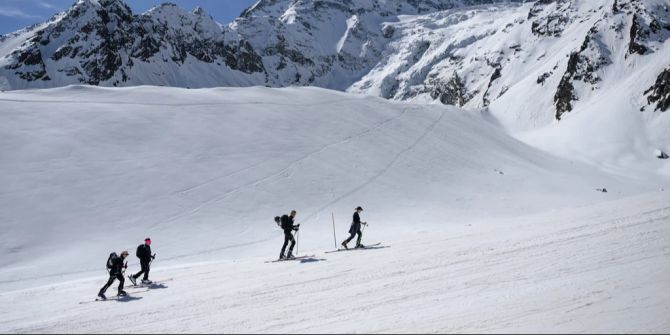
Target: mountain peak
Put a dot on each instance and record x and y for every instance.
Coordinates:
(199, 11)
(116, 7)
(107, 4)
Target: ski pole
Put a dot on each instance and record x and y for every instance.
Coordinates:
(297, 242)
(334, 237)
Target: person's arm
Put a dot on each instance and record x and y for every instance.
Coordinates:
(293, 225)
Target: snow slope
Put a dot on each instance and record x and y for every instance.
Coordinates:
(485, 232)
(595, 269)
(545, 70)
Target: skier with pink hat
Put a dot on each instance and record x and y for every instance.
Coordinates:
(145, 256)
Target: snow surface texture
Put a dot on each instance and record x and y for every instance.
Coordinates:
(485, 233)
(593, 64)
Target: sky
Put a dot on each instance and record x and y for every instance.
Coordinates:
(17, 14)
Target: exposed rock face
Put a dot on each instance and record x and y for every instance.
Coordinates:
(453, 92)
(584, 66)
(659, 93)
(100, 43)
(647, 28)
(550, 17)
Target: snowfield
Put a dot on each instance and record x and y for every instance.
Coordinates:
(482, 232)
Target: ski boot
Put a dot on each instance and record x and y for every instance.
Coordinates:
(360, 246)
(122, 293)
(146, 282)
(345, 246)
(133, 280)
(290, 256)
(102, 296)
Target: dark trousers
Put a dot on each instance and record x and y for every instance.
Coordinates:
(288, 237)
(118, 276)
(145, 270)
(354, 233)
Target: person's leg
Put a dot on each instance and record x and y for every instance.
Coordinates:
(137, 275)
(109, 283)
(360, 237)
(290, 249)
(145, 269)
(121, 281)
(351, 237)
(287, 237)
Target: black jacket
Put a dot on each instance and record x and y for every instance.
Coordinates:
(144, 253)
(355, 224)
(287, 224)
(117, 266)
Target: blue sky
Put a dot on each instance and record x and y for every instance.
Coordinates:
(17, 14)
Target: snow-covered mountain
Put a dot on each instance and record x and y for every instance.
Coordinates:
(100, 42)
(471, 53)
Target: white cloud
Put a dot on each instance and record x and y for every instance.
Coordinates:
(15, 13)
(46, 5)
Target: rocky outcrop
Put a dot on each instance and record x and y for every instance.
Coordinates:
(100, 42)
(659, 93)
(648, 27)
(452, 92)
(549, 17)
(583, 66)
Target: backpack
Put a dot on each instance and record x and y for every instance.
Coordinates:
(278, 221)
(139, 251)
(285, 222)
(110, 260)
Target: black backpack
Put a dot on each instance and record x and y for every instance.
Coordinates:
(285, 222)
(110, 260)
(278, 221)
(139, 252)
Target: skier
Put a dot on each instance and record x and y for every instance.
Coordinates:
(145, 256)
(288, 227)
(116, 266)
(355, 229)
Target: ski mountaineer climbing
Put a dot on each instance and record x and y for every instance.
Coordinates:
(288, 227)
(355, 229)
(145, 256)
(115, 266)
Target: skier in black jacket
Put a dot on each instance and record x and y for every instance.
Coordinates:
(116, 265)
(355, 229)
(288, 227)
(145, 256)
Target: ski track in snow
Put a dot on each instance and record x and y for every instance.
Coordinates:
(382, 171)
(282, 171)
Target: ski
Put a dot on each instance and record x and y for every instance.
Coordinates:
(291, 259)
(128, 297)
(154, 284)
(367, 247)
